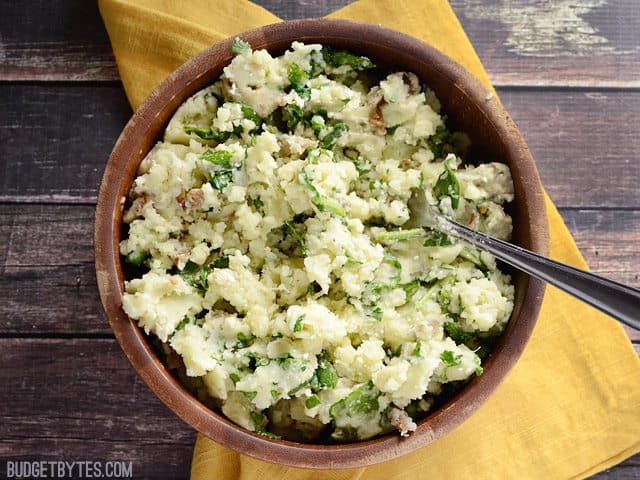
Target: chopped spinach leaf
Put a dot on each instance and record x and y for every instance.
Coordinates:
(292, 114)
(245, 339)
(456, 333)
(451, 359)
(326, 373)
(331, 137)
(221, 179)
(221, 262)
(400, 235)
(297, 326)
(137, 258)
(250, 114)
(298, 236)
(218, 157)
(260, 422)
(448, 185)
(312, 401)
(195, 275)
(258, 204)
(436, 238)
(208, 134)
(338, 58)
(322, 203)
(362, 400)
(250, 395)
(439, 140)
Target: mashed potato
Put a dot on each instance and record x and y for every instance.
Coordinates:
(266, 234)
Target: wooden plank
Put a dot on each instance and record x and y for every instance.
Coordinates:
(573, 135)
(564, 43)
(55, 140)
(47, 271)
(627, 470)
(79, 399)
(115, 416)
(44, 40)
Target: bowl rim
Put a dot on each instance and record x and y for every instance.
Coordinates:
(215, 426)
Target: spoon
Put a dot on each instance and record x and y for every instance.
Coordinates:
(615, 299)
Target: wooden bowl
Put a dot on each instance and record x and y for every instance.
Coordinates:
(469, 108)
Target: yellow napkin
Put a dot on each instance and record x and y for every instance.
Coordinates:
(570, 407)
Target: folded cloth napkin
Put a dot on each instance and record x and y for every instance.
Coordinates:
(568, 409)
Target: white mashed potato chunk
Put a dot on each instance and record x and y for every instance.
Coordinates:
(267, 247)
(159, 302)
(480, 304)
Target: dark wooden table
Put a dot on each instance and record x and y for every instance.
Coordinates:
(569, 75)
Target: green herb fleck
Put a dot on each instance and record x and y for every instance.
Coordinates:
(258, 204)
(208, 133)
(399, 235)
(435, 238)
(297, 78)
(221, 179)
(183, 323)
(389, 258)
(338, 58)
(250, 395)
(326, 373)
(245, 339)
(136, 258)
(447, 185)
(330, 138)
(451, 359)
(250, 114)
(439, 140)
(322, 203)
(298, 236)
(456, 333)
(260, 422)
(270, 435)
(195, 275)
(473, 257)
(297, 327)
(362, 400)
(292, 114)
(375, 312)
(221, 262)
(312, 401)
(218, 157)
(240, 47)
(362, 167)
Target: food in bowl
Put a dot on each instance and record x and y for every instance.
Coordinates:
(265, 234)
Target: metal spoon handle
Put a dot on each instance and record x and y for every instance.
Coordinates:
(613, 298)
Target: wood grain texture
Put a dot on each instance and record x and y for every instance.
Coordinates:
(573, 134)
(63, 40)
(79, 399)
(48, 275)
(537, 43)
(55, 140)
(114, 416)
(564, 42)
